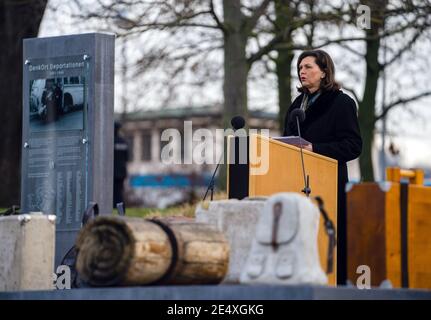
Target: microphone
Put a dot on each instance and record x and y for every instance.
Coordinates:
(299, 116)
(237, 122)
(297, 113)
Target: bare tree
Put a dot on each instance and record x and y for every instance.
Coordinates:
(407, 20)
(227, 25)
(19, 20)
(192, 31)
(388, 20)
(250, 32)
(410, 20)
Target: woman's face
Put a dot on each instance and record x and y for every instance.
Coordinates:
(310, 74)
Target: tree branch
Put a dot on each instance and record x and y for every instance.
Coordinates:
(264, 50)
(406, 47)
(345, 46)
(401, 101)
(251, 21)
(368, 38)
(276, 41)
(353, 92)
(216, 18)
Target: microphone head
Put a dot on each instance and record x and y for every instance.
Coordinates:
(297, 113)
(237, 122)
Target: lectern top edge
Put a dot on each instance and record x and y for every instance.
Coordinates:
(285, 145)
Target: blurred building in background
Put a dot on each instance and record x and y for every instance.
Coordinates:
(152, 183)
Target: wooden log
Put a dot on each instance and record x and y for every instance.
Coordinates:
(136, 251)
(203, 253)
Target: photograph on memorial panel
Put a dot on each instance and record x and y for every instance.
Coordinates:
(57, 103)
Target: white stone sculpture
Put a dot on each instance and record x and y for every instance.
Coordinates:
(284, 249)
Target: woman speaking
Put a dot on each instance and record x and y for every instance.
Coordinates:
(331, 126)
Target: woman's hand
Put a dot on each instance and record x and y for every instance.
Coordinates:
(309, 147)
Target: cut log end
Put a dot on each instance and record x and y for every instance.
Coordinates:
(105, 250)
(135, 251)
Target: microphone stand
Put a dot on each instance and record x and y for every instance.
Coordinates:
(306, 189)
(237, 123)
(211, 184)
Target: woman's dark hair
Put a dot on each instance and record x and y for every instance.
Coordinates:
(325, 63)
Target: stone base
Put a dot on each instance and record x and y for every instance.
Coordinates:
(237, 219)
(221, 292)
(27, 244)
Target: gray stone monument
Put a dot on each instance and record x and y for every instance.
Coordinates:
(68, 119)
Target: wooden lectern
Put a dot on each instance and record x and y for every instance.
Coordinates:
(270, 166)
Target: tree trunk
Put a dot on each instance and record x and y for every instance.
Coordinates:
(367, 110)
(368, 104)
(284, 61)
(235, 70)
(235, 62)
(284, 78)
(18, 20)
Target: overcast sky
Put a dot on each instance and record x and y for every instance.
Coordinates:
(410, 131)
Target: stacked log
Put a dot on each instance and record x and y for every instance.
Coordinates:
(135, 251)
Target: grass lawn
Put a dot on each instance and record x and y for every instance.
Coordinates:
(186, 210)
(182, 210)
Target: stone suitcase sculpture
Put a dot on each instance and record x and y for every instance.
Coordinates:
(284, 249)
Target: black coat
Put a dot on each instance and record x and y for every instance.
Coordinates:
(331, 125)
(121, 156)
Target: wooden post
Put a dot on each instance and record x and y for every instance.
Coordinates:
(415, 176)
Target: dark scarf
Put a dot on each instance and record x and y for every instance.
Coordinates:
(308, 99)
(315, 110)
